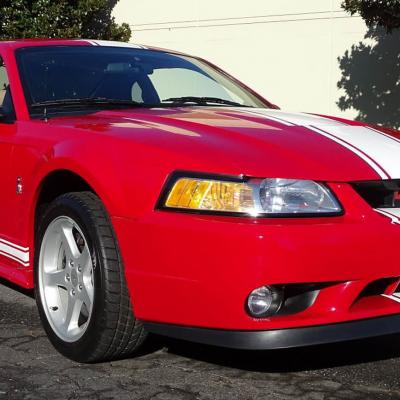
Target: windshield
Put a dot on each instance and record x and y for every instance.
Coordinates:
(60, 75)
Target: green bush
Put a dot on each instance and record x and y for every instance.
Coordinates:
(90, 19)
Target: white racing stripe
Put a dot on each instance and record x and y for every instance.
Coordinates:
(25, 249)
(15, 252)
(110, 43)
(262, 113)
(289, 118)
(395, 297)
(92, 42)
(379, 150)
(382, 173)
(392, 213)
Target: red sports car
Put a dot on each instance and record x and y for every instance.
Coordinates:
(146, 190)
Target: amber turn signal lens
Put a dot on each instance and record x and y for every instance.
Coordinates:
(211, 195)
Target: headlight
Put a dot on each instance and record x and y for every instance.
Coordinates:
(290, 196)
(253, 197)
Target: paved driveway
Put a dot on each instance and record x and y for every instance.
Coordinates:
(31, 369)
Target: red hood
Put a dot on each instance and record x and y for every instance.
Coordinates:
(254, 142)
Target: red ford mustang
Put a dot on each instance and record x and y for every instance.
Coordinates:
(148, 191)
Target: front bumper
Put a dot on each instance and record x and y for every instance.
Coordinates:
(192, 270)
(281, 338)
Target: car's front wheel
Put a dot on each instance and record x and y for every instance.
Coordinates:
(80, 284)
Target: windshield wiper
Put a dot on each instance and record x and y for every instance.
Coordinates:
(203, 101)
(89, 101)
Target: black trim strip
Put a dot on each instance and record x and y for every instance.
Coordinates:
(281, 338)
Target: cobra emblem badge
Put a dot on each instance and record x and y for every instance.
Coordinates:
(19, 186)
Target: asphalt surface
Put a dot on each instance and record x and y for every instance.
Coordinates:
(31, 369)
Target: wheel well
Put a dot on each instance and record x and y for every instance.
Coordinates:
(56, 184)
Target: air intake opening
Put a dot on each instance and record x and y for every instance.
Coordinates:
(379, 194)
(377, 288)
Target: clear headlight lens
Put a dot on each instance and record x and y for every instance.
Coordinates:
(269, 197)
(290, 196)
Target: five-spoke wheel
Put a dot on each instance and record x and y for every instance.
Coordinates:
(66, 278)
(81, 292)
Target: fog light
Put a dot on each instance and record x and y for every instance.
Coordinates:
(264, 301)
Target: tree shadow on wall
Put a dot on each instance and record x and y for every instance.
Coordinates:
(371, 78)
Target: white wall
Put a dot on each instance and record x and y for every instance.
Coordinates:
(287, 50)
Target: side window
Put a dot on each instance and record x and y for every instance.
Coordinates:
(137, 93)
(6, 104)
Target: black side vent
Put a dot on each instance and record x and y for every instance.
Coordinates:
(379, 194)
(299, 297)
(376, 288)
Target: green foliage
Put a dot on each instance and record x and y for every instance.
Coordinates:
(384, 13)
(91, 19)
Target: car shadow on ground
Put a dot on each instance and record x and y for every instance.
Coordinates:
(291, 360)
(27, 292)
(275, 361)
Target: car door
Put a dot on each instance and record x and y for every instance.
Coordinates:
(10, 252)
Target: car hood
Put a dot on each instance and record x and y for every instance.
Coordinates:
(254, 142)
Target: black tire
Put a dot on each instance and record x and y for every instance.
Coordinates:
(112, 331)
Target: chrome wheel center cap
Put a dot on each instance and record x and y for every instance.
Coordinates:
(74, 278)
